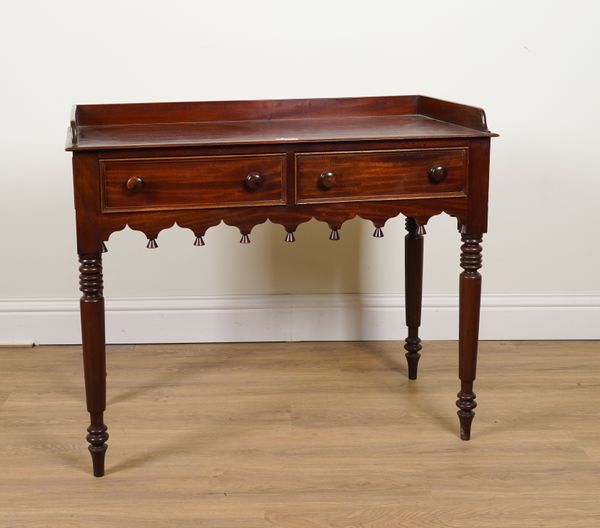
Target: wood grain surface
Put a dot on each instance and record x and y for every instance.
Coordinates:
(192, 182)
(279, 131)
(379, 174)
(116, 126)
(307, 435)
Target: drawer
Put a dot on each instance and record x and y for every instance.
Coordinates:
(380, 174)
(193, 182)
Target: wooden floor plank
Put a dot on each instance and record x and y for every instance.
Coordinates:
(308, 435)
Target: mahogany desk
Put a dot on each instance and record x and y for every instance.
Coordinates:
(150, 166)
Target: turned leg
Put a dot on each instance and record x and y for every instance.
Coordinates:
(413, 290)
(94, 355)
(470, 299)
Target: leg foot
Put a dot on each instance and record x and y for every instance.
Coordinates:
(97, 437)
(412, 347)
(466, 403)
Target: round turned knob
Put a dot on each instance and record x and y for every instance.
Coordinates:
(134, 184)
(253, 181)
(438, 173)
(327, 180)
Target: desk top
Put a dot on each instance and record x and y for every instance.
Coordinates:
(214, 123)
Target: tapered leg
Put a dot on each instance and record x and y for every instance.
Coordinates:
(94, 355)
(470, 299)
(413, 288)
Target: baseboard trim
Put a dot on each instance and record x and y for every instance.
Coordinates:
(322, 317)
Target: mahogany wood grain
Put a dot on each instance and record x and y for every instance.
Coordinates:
(193, 182)
(466, 116)
(278, 109)
(284, 131)
(266, 109)
(151, 165)
(127, 126)
(379, 175)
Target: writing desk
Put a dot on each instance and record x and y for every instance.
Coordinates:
(150, 166)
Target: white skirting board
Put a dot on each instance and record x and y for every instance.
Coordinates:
(322, 317)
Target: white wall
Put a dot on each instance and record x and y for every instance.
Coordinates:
(532, 65)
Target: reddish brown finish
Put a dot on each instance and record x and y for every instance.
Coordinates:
(192, 182)
(290, 131)
(470, 297)
(150, 166)
(379, 175)
(279, 109)
(256, 110)
(94, 361)
(413, 292)
(133, 184)
(466, 116)
(126, 126)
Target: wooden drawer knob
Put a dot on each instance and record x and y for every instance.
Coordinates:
(253, 181)
(134, 184)
(327, 180)
(438, 173)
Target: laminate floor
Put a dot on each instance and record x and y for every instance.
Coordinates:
(307, 435)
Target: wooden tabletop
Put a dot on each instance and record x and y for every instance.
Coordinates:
(126, 126)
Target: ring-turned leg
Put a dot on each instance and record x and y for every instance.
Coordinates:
(470, 299)
(413, 290)
(94, 355)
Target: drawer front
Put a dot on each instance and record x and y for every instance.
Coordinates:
(380, 175)
(192, 182)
